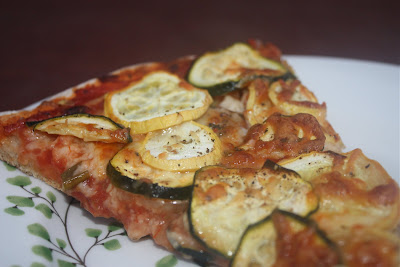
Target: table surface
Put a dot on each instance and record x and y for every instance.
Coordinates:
(48, 46)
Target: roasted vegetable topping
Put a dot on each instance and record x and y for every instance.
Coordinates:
(159, 100)
(293, 98)
(277, 138)
(71, 179)
(354, 191)
(285, 239)
(127, 171)
(224, 71)
(85, 126)
(188, 146)
(225, 201)
(75, 180)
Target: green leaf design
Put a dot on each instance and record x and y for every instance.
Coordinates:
(36, 190)
(39, 230)
(19, 180)
(61, 243)
(9, 167)
(51, 196)
(43, 251)
(114, 226)
(21, 201)
(167, 261)
(43, 208)
(37, 264)
(14, 211)
(62, 263)
(93, 232)
(112, 244)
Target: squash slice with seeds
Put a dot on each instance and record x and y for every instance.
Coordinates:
(159, 100)
(185, 147)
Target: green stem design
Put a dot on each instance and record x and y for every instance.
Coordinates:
(63, 252)
(75, 256)
(64, 222)
(53, 208)
(67, 234)
(97, 243)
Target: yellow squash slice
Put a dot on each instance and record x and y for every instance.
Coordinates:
(157, 101)
(127, 171)
(188, 146)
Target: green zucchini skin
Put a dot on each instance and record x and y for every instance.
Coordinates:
(227, 87)
(307, 221)
(231, 85)
(202, 258)
(285, 77)
(77, 115)
(222, 88)
(145, 188)
(95, 118)
(261, 228)
(224, 241)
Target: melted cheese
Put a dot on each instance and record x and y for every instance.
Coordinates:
(354, 191)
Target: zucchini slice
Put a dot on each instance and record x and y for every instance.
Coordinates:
(313, 164)
(354, 191)
(283, 238)
(225, 201)
(157, 101)
(189, 251)
(127, 171)
(85, 126)
(223, 71)
(190, 248)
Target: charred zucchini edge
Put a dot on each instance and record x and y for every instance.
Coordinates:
(76, 115)
(306, 221)
(268, 164)
(145, 188)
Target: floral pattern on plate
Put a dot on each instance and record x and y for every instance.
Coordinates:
(43, 227)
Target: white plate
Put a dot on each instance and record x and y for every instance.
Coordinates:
(363, 106)
(362, 103)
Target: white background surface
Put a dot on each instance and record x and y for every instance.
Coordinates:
(362, 103)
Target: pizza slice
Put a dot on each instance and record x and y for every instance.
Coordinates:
(198, 151)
